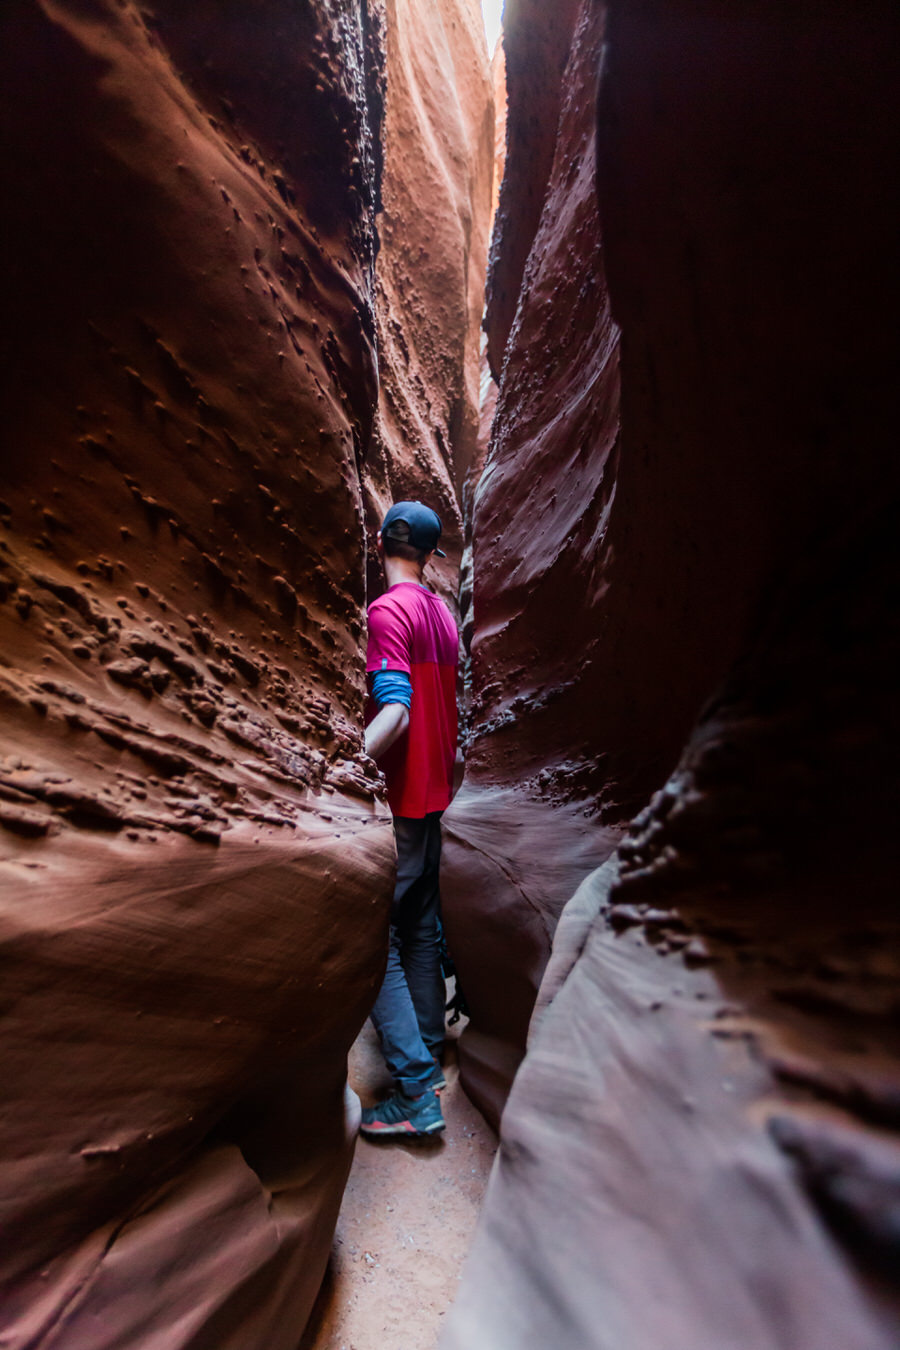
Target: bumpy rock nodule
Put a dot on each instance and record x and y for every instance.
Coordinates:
(700, 1148)
(195, 865)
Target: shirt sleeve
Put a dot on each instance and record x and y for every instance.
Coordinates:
(389, 639)
(391, 686)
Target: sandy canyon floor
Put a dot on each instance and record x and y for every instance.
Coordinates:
(406, 1223)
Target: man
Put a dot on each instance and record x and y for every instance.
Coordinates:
(411, 663)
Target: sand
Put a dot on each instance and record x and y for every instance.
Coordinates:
(407, 1220)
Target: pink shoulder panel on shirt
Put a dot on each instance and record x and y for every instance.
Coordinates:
(409, 625)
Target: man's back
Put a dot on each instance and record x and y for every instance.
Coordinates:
(411, 630)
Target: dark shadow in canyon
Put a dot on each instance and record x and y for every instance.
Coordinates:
(687, 594)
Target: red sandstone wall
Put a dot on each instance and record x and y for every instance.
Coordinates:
(439, 131)
(487, 396)
(536, 46)
(548, 478)
(195, 868)
(700, 1148)
(498, 80)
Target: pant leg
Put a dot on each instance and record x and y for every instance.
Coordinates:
(394, 1014)
(420, 946)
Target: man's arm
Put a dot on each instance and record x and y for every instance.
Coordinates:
(388, 653)
(387, 726)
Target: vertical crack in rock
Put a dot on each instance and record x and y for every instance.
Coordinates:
(534, 52)
(439, 128)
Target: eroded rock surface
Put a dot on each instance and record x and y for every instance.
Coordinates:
(700, 1148)
(535, 50)
(195, 864)
(439, 149)
(532, 779)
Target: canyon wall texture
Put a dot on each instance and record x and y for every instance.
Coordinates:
(195, 866)
(433, 231)
(700, 1148)
(518, 832)
(536, 43)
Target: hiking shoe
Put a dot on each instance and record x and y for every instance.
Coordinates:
(400, 1114)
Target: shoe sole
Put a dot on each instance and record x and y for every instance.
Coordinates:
(404, 1127)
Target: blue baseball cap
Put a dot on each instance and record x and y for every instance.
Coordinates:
(423, 526)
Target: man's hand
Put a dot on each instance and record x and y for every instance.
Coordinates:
(387, 726)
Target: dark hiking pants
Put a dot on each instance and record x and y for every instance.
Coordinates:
(409, 1011)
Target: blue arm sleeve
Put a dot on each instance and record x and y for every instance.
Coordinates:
(391, 686)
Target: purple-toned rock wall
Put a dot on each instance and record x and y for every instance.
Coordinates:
(692, 616)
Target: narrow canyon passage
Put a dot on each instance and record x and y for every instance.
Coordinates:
(406, 1222)
(615, 303)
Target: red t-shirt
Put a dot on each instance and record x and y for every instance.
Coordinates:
(412, 630)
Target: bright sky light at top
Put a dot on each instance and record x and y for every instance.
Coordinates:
(492, 9)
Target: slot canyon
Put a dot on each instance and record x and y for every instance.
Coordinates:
(617, 304)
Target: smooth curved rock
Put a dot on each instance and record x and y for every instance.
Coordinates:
(709, 1104)
(176, 1138)
(549, 477)
(700, 1147)
(508, 864)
